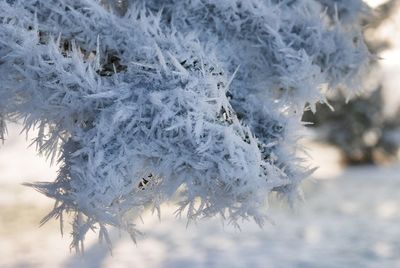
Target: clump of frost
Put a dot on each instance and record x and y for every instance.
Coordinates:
(347, 11)
(138, 99)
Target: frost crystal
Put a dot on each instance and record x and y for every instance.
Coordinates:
(144, 99)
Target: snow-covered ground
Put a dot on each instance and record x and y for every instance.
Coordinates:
(350, 219)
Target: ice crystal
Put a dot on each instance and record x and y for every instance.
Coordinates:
(144, 99)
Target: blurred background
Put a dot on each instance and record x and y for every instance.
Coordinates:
(350, 216)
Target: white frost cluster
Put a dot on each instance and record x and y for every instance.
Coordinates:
(145, 99)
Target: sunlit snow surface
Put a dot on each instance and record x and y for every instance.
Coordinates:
(350, 219)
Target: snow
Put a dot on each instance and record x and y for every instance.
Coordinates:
(349, 219)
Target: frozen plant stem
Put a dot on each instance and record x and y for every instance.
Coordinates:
(141, 98)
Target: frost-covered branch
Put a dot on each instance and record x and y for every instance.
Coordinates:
(145, 98)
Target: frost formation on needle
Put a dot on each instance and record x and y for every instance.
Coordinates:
(140, 100)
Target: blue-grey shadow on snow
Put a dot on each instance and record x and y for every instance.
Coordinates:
(93, 256)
